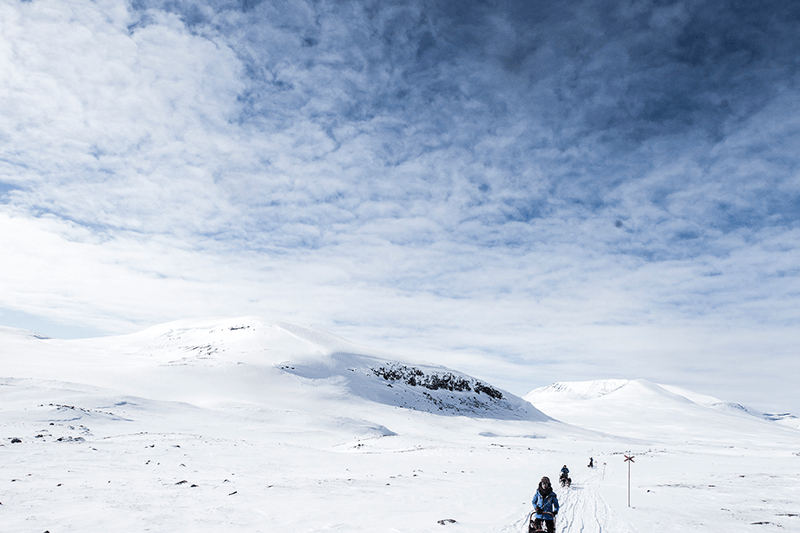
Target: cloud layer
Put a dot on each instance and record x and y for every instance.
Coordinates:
(568, 191)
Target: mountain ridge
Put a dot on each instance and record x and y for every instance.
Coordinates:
(606, 405)
(263, 361)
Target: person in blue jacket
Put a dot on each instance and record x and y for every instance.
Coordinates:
(545, 505)
(564, 478)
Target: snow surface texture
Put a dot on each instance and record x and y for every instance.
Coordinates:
(258, 425)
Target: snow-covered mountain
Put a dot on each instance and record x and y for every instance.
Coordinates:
(628, 407)
(257, 425)
(256, 361)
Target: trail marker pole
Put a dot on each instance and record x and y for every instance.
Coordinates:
(629, 460)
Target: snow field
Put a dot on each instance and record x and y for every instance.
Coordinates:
(252, 426)
(269, 479)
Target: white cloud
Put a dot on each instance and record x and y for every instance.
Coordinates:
(551, 205)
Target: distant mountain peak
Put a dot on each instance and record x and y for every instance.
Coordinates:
(582, 390)
(618, 397)
(254, 360)
(22, 333)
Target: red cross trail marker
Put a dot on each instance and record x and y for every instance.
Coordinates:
(629, 460)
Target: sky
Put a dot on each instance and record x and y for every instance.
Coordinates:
(527, 191)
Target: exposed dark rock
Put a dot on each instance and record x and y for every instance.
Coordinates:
(435, 380)
(489, 391)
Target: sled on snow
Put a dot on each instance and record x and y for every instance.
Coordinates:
(532, 528)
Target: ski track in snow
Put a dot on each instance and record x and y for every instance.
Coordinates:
(583, 509)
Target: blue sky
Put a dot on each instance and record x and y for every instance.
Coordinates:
(527, 191)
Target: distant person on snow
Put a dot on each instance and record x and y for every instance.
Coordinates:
(545, 505)
(591, 462)
(564, 477)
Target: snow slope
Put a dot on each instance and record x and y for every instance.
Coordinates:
(256, 425)
(641, 409)
(255, 360)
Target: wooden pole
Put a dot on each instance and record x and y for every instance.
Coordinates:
(629, 460)
(629, 483)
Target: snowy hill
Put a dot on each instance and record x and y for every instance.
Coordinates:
(256, 361)
(20, 333)
(261, 426)
(786, 419)
(642, 408)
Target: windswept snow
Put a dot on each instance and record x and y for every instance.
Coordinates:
(639, 409)
(10, 333)
(786, 419)
(258, 425)
(252, 360)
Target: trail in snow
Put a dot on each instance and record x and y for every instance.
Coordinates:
(583, 509)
